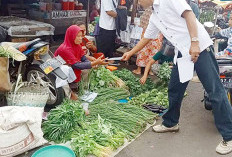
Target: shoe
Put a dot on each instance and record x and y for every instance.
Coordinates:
(224, 147)
(161, 128)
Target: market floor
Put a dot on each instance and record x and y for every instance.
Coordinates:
(198, 136)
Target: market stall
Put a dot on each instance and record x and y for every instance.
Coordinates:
(21, 29)
(59, 14)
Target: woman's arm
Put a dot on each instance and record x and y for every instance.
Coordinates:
(147, 69)
(86, 64)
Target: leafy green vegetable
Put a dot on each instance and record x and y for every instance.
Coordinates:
(132, 82)
(106, 94)
(102, 78)
(159, 97)
(62, 120)
(164, 73)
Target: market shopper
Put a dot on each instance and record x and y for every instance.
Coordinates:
(71, 51)
(107, 33)
(177, 22)
(144, 55)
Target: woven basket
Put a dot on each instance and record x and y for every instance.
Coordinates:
(23, 97)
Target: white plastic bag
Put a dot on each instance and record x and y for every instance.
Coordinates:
(20, 129)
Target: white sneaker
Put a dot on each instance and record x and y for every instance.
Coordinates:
(161, 128)
(224, 147)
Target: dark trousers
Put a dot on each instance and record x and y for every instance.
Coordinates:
(106, 42)
(207, 70)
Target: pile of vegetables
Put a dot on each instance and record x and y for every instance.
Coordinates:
(98, 138)
(129, 119)
(102, 78)
(164, 73)
(62, 121)
(155, 96)
(207, 16)
(132, 82)
(106, 94)
(6, 50)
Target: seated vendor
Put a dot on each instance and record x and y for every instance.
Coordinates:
(88, 46)
(71, 51)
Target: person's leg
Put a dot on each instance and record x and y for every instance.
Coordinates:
(207, 71)
(137, 71)
(112, 46)
(102, 42)
(176, 91)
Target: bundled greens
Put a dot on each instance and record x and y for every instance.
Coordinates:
(129, 119)
(106, 94)
(98, 138)
(103, 78)
(153, 97)
(62, 120)
(6, 50)
(132, 82)
(164, 73)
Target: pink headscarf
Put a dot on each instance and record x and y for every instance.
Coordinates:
(69, 51)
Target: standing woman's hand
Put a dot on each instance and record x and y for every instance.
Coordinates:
(194, 51)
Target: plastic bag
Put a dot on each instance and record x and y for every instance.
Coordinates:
(5, 84)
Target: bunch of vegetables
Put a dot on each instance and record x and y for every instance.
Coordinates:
(132, 82)
(207, 16)
(153, 97)
(98, 137)
(62, 120)
(6, 50)
(164, 73)
(106, 94)
(127, 118)
(103, 78)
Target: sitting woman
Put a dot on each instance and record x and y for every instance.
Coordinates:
(87, 46)
(70, 50)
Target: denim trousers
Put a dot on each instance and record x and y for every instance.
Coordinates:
(208, 72)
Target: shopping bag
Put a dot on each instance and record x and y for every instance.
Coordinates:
(5, 84)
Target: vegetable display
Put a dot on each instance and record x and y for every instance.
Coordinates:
(102, 78)
(62, 120)
(164, 73)
(153, 97)
(132, 82)
(129, 119)
(106, 94)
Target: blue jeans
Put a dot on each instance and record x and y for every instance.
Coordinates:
(207, 70)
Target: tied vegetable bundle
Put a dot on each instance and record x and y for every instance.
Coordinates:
(164, 73)
(106, 94)
(101, 78)
(98, 138)
(6, 50)
(62, 120)
(129, 119)
(132, 82)
(158, 97)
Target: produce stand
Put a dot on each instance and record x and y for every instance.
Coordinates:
(61, 20)
(54, 14)
(21, 29)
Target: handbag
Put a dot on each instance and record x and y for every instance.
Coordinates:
(168, 49)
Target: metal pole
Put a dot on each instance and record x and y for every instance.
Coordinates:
(87, 18)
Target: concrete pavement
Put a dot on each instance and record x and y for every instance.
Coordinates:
(198, 136)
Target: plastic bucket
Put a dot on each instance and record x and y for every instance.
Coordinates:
(65, 5)
(97, 55)
(71, 5)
